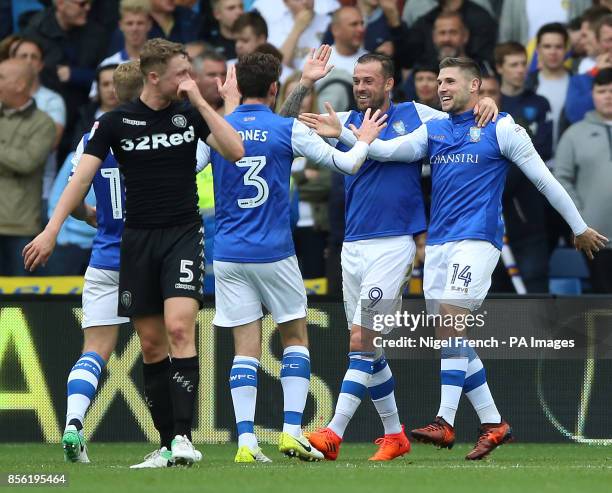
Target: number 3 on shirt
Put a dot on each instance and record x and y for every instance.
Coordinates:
(251, 178)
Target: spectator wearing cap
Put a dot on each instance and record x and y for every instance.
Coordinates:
(26, 139)
(583, 165)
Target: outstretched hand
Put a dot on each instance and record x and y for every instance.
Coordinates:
(326, 125)
(315, 67)
(590, 242)
(371, 126)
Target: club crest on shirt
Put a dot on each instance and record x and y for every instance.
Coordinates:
(179, 121)
(475, 134)
(126, 299)
(399, 127)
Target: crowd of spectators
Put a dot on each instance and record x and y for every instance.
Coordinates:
(548, 63)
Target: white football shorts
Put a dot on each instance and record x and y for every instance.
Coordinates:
(459, 273)
(374, 273)
(242, 288)
(100, 298)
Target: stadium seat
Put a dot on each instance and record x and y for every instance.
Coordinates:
(567, 270)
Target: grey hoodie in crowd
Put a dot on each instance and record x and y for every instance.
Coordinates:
(583, 165)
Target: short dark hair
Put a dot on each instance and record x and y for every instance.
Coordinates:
(575, 24)
(26, 39)
(593, 14)
(255, 73)
(253, 20)
(102, 68)
(603, 77)
(464, 63)
(425, 67)
(553, 28)
(450, 15)
(270, 49)
(388, 68)
(502, 50)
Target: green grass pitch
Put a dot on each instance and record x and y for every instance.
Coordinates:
(514, 468)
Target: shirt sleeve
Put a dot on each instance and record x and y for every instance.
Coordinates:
(516, 145)
(406, 148)
(427, 113)
(305, 142)
(76, 157)
(57, 110)
(100, 137)
(202, 131)
(202, 156)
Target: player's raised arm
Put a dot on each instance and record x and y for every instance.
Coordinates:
(517, 146)
(315, 68)
(223, 137)
(229, 90)
(307, 143)
(38, 251)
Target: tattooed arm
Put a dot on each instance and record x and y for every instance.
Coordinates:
(315, 68)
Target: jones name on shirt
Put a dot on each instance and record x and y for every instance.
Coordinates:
(255, 134)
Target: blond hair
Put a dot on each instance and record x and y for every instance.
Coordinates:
(135, 7)
(127, 80)
(156, 53)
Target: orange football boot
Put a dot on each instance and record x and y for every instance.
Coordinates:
(325, 441)
(491, 436)
(391, 446)
(439, 433)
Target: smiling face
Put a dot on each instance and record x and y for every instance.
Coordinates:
(457, 91)
(371, 88)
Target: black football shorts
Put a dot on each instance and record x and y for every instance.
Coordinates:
(157, 264)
